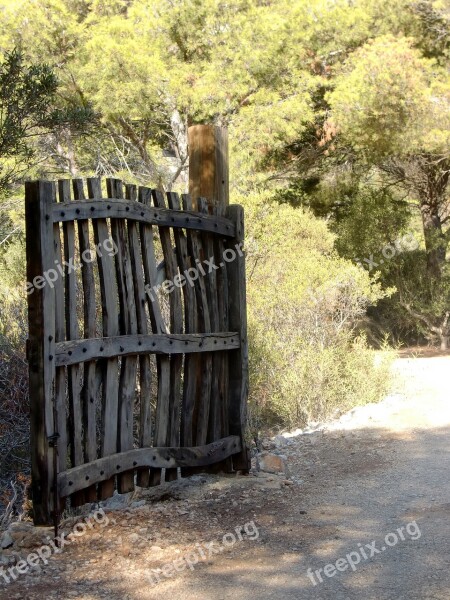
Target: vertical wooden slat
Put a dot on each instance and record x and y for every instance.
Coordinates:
(72, 333)
(190, 325)
(145, 374)
(205, 360)
(60, 336)
(89, 391)
(39, 197)
(110, 387)
(128, 326)
(176, 326)
(222, 295)
(214, 427)
(150, 271)
(162, 415)
(238, 359)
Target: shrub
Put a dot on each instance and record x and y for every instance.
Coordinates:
(304, 302)
(14, 401)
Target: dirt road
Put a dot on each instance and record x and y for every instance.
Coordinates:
(367, 511)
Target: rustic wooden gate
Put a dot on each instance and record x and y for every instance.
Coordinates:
(130, 379)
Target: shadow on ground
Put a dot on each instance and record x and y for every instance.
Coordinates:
(355, 489)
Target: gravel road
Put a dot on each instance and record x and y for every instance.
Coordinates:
(378, 469)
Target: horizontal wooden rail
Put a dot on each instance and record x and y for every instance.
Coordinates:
(106, 208)
(78, 351)
(77, 478)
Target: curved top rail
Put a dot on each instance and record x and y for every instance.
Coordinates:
(106, 208)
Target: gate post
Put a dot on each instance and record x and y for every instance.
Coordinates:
(209, 178)
(208, 164)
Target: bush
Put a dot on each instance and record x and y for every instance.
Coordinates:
(304, 302)
(14, 401)
(14, 426)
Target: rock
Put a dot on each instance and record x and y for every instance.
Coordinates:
(266, 444)
(280, 441)
(6, 541)
(271, 463)
(24, 526)
(134, 538)
(34, 537)
(117, 502)
(7, 559)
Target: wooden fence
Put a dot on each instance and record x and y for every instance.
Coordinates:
(130, 380)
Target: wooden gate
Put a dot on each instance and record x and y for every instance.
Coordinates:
(137, 339)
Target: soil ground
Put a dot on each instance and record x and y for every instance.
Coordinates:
(357, 482)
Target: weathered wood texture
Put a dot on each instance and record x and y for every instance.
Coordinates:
(72, 333)
(60, 375)
(204, 364)
(110, 322)
(190, 326)
(237, 319)
(113, 208)
(222, 294)
(166, 457)
(208, 163)
(128, 326)
(171, 387)
(145, 372)
(39, 197)
(95, 328)
(90, 390)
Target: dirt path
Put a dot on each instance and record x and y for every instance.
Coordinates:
(378, 478)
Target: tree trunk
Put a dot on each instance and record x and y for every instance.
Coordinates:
(435, 242)
(431, 186)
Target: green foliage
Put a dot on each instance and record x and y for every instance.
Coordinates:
(25, 107)
(419, 308)
(46, 30)
(28, 109)
(359, 236)
(314, 383)
(304, 303)
(391, 106)
(431, 28)
(24, 99)
(391, 101)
